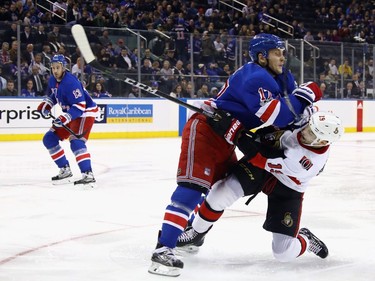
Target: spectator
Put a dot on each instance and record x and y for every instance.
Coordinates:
(231, 52)
(148, 55)
(134, 93)
(100, 91)
(146, 72)
(9, 90)
(38, 62)
(323, 88)
(157, 46)
(28, 54)
(308, 36)
(170, 56)
(355, 81)
(27, 37)
(362, 89)
(219, 49)
(120, 44)
(39, 81)
(13, 52)
(29, 90)
(346, 70)
(124, 61)
(167, 78)
(348, 91)
(177, 92)
(189, 90)
(41, 36)
(370, 67)
(180, 37)
(3, 81)
(214, 74)
(10, 34)
(203, 93)
(104, 39)
(5, 60)
(208, 48)
(80, 69)
(179, 70)
(214, 91)
(333, 68)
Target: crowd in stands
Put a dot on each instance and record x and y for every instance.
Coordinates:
(166, 64)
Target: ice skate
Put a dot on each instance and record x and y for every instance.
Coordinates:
(65, 176)
(316, 246)
(87, 180)
(190, 240)
(164, 262)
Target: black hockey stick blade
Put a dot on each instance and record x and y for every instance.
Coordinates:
(78, 136)
(80, 37)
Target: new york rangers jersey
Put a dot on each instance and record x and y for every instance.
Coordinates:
(254, 97)
(72, 96)
(299, 164)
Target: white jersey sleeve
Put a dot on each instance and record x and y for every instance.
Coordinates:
(300, 164)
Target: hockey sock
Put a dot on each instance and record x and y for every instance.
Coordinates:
(183, 201)
(196, 209)
(51, 142)
(206, 217)
(83, 158)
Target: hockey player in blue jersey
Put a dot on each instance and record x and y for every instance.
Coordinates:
(79, 111)
(253, 95)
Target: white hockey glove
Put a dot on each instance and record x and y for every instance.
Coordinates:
(305, 116)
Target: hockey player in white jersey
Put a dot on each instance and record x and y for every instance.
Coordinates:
(283, 174)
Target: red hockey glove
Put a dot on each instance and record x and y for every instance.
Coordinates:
(309, 92)
(63, 119)
(45, 107)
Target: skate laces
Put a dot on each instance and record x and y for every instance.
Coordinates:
(188, 235)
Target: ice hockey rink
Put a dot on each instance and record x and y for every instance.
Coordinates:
(63, 233)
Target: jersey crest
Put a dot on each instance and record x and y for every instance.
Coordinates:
(306, 163)
(264, 96)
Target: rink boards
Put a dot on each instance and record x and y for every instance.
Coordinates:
(148, 118)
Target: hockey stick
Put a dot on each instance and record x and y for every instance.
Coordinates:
(78, 136)
(80, 37)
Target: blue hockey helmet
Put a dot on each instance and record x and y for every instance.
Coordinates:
(262, 43)
(60, 59)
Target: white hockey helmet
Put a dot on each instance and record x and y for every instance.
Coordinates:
(326, 126)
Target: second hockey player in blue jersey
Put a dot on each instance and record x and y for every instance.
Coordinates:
(79, 111)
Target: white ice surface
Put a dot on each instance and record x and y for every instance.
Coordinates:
(61, 233)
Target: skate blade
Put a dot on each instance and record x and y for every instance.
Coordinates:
(63, 181)
(188, 249)
(159, 269)
(86, 185)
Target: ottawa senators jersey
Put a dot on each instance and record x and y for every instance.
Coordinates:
(299, 164)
